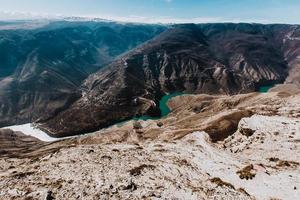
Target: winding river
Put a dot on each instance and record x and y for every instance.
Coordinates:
(163, 106)
(28, 129)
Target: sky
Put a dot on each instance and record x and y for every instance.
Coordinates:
(153, 11)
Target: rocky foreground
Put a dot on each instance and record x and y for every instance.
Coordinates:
(209, 147)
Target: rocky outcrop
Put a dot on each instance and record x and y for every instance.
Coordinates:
(16, 143)
(290, 39)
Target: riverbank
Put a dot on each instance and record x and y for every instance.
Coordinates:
(31, 130)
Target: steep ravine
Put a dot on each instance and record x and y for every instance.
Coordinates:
(34, 131)
(188, 58)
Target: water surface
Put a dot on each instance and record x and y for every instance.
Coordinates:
(29, 129)
(265, 89)
(163, 106)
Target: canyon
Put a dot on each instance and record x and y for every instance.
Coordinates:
(110, 110)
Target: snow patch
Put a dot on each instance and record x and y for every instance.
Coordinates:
(29, 129)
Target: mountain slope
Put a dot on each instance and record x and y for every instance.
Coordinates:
(211, 58)
(41, 70)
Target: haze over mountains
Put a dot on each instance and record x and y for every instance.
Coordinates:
(48, 75)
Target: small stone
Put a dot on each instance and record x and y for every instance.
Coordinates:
(132, 186)
(247, 131)
(160, 124)
(49, 196)
(90, 151)
(137, 125)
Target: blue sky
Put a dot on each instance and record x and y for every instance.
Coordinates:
(263, 11)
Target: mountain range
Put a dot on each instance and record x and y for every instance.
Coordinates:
(76, 77)
(42, 69)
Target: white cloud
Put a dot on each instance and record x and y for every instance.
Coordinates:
(162, 19)
(7, 15)
(171, 20)
(16, 15)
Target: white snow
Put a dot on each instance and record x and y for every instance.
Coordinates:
(29, 129)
